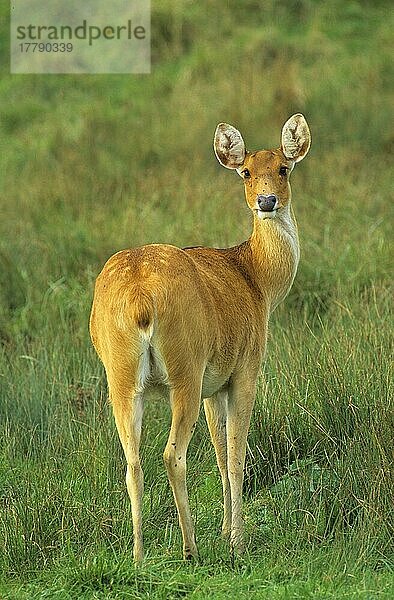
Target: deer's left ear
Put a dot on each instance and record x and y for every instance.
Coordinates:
(229, 146)
(296, 138)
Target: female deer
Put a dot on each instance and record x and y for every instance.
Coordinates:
(196, 320)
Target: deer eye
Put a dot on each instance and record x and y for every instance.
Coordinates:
(246, 173)
(283, 171)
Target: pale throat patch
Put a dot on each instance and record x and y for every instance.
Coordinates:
(266, 215)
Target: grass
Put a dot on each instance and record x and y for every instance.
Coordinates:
(90, 165)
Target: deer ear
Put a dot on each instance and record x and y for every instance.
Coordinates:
(229, 146)
(296, 138)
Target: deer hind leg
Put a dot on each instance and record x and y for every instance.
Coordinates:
(127, 403)
(185, 408)
(216, 415)
(240, 404)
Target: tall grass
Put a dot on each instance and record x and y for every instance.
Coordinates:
(90, 165)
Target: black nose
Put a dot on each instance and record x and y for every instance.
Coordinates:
(266, 203)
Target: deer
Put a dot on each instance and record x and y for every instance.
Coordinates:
(193, 321)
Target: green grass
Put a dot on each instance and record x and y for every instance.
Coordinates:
(93, 164)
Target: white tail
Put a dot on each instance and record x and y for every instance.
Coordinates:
(196, 321)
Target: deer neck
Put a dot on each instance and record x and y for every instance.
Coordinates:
(274, 251)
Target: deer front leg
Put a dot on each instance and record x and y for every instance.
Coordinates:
(185, 408)
(240, 404)
(216, 415)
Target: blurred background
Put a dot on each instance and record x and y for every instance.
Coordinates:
(93, 164)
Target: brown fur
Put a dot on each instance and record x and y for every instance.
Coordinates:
(195, 320)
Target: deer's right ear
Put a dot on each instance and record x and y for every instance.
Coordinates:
(296, 138)
(229, 146)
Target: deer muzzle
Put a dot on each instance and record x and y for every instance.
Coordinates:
(267, 203)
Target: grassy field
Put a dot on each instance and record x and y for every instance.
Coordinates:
(93, 164)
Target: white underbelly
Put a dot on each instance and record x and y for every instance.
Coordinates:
(153, 374)
(212, 383)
